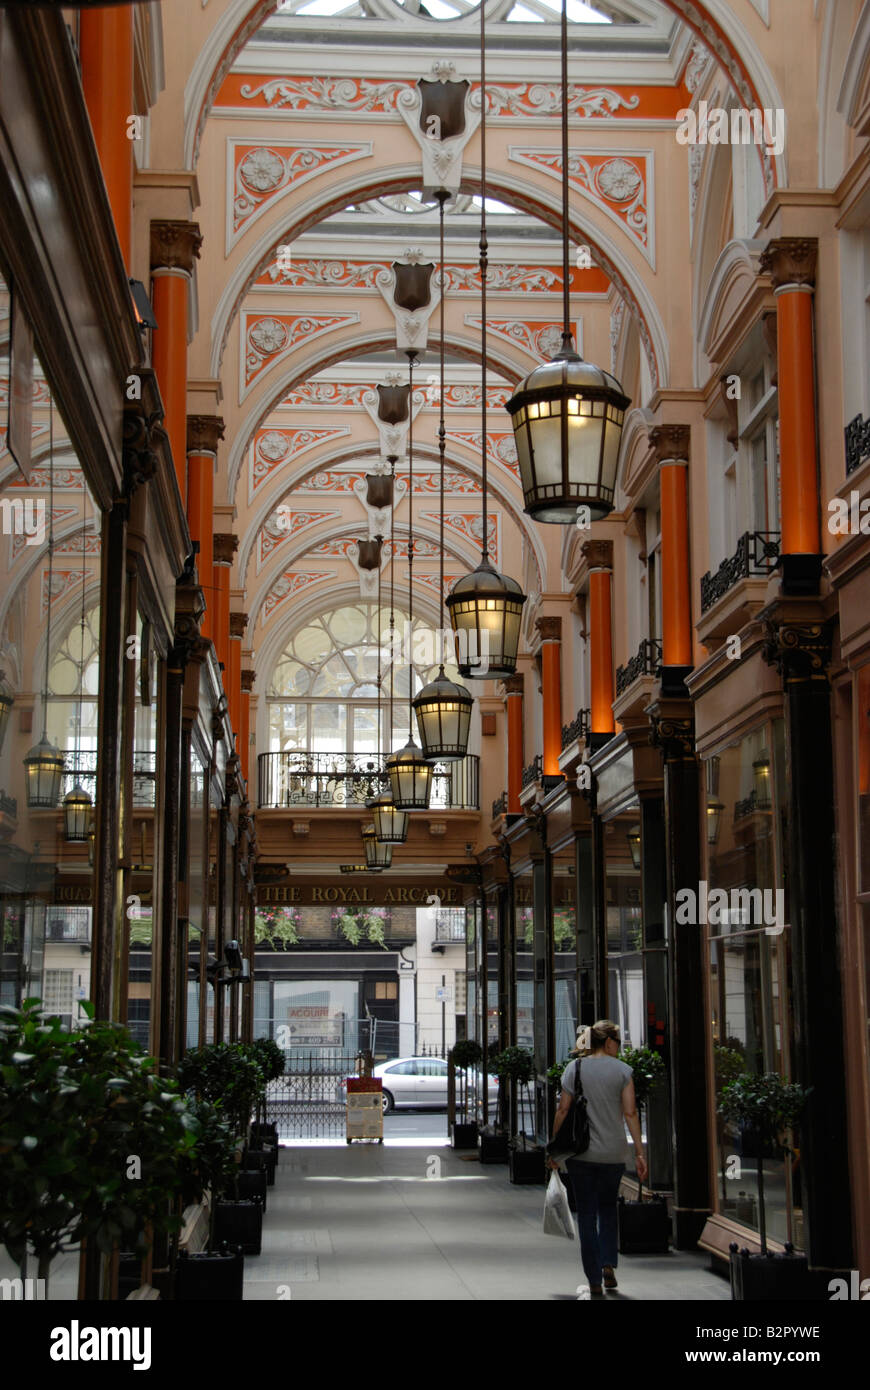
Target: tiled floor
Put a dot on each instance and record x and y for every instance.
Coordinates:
(413, 1223)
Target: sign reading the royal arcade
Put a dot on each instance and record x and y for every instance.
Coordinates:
(408, 894)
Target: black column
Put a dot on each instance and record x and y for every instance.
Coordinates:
(674, 734)
(167, 1010)
(655, 970)
(802, 653)
(586, 954)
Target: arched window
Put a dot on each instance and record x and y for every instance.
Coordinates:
(323, 694)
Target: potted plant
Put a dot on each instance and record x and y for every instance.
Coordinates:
(228, 1076)
(357, 924)
(728, 1063)
(644, 1227)
(218, 1272)
(517, 1066)
(264, 1138)
(93, 1142)
(765, 1108)
(463, 1056)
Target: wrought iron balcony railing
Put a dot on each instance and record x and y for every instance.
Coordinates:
(646, 663)
(82, 767)
(532, 773)
(8, 806)
(750, 804)
(499, 806)
(857, 434)
(450, 924)
(288, 780)
(757, 554)
(578, 728)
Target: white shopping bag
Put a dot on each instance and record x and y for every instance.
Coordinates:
(557, 1213)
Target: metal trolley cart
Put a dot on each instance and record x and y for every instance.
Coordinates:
(365, 1113)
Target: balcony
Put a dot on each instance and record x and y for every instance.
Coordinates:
(8, 816)
(533, 773)
(857, 435)
(450, 924)
(82, 767)
(647, 662)
(499, 806)
(577, 729)
(732, 596)
(336, 780)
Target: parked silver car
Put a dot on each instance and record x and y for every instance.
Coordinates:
(419, 1081)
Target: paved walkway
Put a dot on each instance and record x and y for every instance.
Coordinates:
(405, 1223)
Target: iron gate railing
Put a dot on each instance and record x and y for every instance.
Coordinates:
(308, 1101)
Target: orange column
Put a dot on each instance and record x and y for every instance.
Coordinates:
(513, 688)
(106, 53)
(791, 264)
(551, 687)
(238, 623)
(671, 447)
(174, 246)
(203, 434)
(245, 730)
(225, 547)
(600, 653)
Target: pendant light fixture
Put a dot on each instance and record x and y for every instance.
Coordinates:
(391, 824)
(410, 774)
(44, 763)
(77, 804)
(568, 414)
(378, 856)
(485, 607)
(443, 708)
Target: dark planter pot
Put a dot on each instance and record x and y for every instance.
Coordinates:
(644, 1227)
(493, 1147)
(771, 1278)
(252, 1185)
(267, 1132)
(263, 1160)
(240, 1223)
(129, 1274)
(464, 1136)
(527, 1166)
(204, 1278)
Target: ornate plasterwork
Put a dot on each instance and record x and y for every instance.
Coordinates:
(469, 525)
(18, 542)
(340, 95)
(274, 448)
(362, 276)
(257, 175)
(62, 583)
(500, 446)
(432, 581)
(269, 338)
(541, 339)
(697, 66)
(280, 527)
(617, 317)
(620, 183)
(353, 395)
(292, 582)
(64, 479)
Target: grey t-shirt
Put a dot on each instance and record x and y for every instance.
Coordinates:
(603, 1080)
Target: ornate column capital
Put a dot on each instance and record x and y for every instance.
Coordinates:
(204, 433)
(790, 260)
(187, 644)
(598, 554)
(800, 651)
(670, 443)
(550, 629)
(513, 685)
(674, 735)
(248, 678)
(238, 623)
(174, 245)
(225, 546)
(143, 436)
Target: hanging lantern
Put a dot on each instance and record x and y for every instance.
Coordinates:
(6, 703)
(391, 824)
(714, 818)
(369, 554)
(44, 766)
(379, 490)
(410, 778)
(77, 808)
(485, 610)
(378, 856)
(567, 418)
(761, 782)
(443, 711)
(633, 837)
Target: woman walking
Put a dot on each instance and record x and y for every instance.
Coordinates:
(608, 1086)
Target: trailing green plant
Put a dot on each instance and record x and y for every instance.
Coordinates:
(358, 923)
(277, 925)
(765, 1107)
(563, 928)
(648, 1070)
(227, 1076)
(93, 1142)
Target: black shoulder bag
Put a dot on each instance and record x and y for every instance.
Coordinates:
(573, 1137)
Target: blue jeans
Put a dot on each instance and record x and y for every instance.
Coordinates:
(596, 1186)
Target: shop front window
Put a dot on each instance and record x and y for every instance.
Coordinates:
(624, 927)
